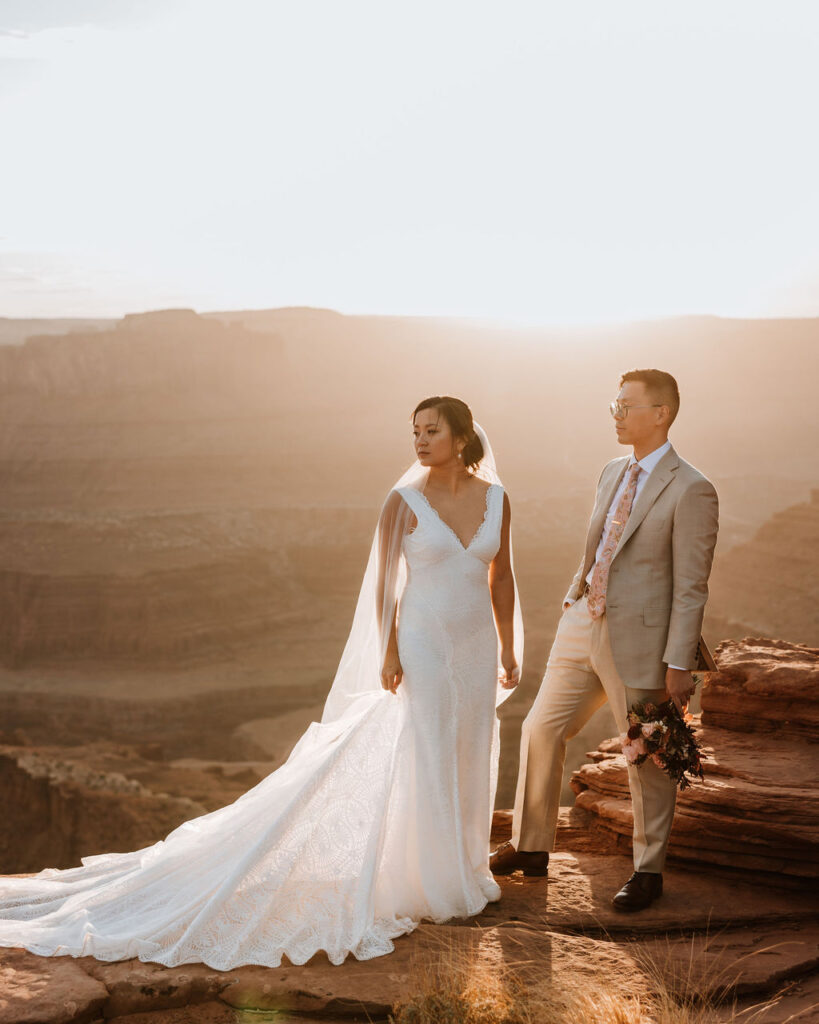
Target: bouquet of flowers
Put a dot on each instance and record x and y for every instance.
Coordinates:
(662, 733)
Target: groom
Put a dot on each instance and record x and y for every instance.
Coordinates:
(629, 631)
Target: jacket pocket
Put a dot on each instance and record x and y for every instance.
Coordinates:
(656, 615)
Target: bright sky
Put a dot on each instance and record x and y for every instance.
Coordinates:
(525, 161)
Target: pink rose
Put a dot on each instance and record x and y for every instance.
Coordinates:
(630, 752)
(634, 750)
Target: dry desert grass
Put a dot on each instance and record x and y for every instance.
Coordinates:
(457, 985)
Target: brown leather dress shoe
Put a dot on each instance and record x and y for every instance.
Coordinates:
(639, 891)
(507, 859)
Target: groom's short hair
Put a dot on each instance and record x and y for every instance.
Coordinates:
(660, 385)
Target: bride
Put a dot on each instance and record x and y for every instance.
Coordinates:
(381, 815)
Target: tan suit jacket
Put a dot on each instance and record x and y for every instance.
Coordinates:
(658, 581)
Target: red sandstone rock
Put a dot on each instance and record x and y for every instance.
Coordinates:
(41, 990)
(757, 810)
(764, 686)
(576, 897)
(743, 962)
(136, 987)
(578, 831)
(559, 931)
(758, 807)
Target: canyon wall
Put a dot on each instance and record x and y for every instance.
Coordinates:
(769, 585)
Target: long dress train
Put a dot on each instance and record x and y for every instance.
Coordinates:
(379, 818)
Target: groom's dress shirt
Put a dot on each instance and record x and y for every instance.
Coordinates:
(646, 464)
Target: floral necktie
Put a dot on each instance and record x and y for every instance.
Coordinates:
(600, 576)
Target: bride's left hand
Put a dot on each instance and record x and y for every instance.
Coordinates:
(510, 676)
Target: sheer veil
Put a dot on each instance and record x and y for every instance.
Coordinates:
(358, 676)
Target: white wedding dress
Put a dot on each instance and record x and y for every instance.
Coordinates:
(379, 818)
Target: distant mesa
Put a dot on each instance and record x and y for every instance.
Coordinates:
(15, 331)
(158, 318)
(284, 311)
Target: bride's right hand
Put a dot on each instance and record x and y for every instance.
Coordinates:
(391, 672)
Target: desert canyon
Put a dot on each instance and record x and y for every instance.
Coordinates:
(188, 502)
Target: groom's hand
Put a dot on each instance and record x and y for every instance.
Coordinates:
(679, 686)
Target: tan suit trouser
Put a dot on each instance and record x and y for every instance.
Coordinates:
(580, 677)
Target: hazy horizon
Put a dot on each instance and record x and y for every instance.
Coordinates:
(468, 321)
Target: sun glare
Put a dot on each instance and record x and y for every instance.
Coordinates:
(550, 163)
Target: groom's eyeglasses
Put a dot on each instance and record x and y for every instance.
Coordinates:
(620, 411)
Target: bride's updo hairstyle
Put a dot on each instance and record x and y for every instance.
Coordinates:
(459, 417)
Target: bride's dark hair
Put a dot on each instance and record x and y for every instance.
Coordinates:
(459, 417)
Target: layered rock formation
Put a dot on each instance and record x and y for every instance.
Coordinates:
(766, 686)
(148, 617)
(758, 809)
(168, 588)
(169, 726)
(143, 355)
(129, 453)
(62, 803)
(56, 812)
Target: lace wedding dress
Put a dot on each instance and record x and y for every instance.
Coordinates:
(379, 818)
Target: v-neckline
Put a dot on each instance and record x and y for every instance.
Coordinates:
(437, 514)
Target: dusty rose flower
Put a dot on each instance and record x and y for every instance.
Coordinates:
(630, 752)
(657, 760)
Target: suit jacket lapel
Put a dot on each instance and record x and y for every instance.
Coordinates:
(659, 479)
(600, 512)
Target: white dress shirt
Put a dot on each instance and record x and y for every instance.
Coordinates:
(646, 464)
